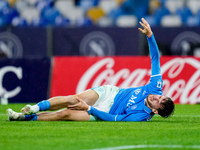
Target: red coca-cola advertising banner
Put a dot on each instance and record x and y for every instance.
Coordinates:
(181, 75)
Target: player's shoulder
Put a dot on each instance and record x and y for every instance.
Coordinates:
(155, 85)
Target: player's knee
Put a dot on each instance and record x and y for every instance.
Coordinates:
(70, 100)
(64, 114)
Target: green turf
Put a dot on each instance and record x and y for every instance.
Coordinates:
(182, 129)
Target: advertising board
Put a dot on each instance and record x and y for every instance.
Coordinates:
(181, 75)
(25, 80)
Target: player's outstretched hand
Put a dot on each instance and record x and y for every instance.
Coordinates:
(81, 105)
(146, 28)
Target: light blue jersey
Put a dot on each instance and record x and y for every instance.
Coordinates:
(129, 104)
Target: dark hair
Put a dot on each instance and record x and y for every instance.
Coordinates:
(167, 108)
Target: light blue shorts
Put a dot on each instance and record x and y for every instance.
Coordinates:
(106, 98)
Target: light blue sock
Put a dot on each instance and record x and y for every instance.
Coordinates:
(32, 117)
(44, 105)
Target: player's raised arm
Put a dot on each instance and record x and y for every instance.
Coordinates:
(153, 48)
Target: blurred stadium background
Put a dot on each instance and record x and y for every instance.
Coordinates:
(34, 34)
(103, 13)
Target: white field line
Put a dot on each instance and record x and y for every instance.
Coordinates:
(149, 146)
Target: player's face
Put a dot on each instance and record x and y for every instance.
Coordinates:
(155, 101)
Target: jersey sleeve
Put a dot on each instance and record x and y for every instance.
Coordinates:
(156, 83)
(126, 117)
(154, 54)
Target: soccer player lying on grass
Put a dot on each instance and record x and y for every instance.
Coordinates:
(108, 103)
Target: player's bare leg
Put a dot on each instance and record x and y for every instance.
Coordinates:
(61, 115)
(64, 115)
(89, 96)
(56, 103)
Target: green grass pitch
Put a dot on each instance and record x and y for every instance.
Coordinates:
(182, 131)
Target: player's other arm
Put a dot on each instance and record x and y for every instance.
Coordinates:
(108, 117)
(153, 47)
